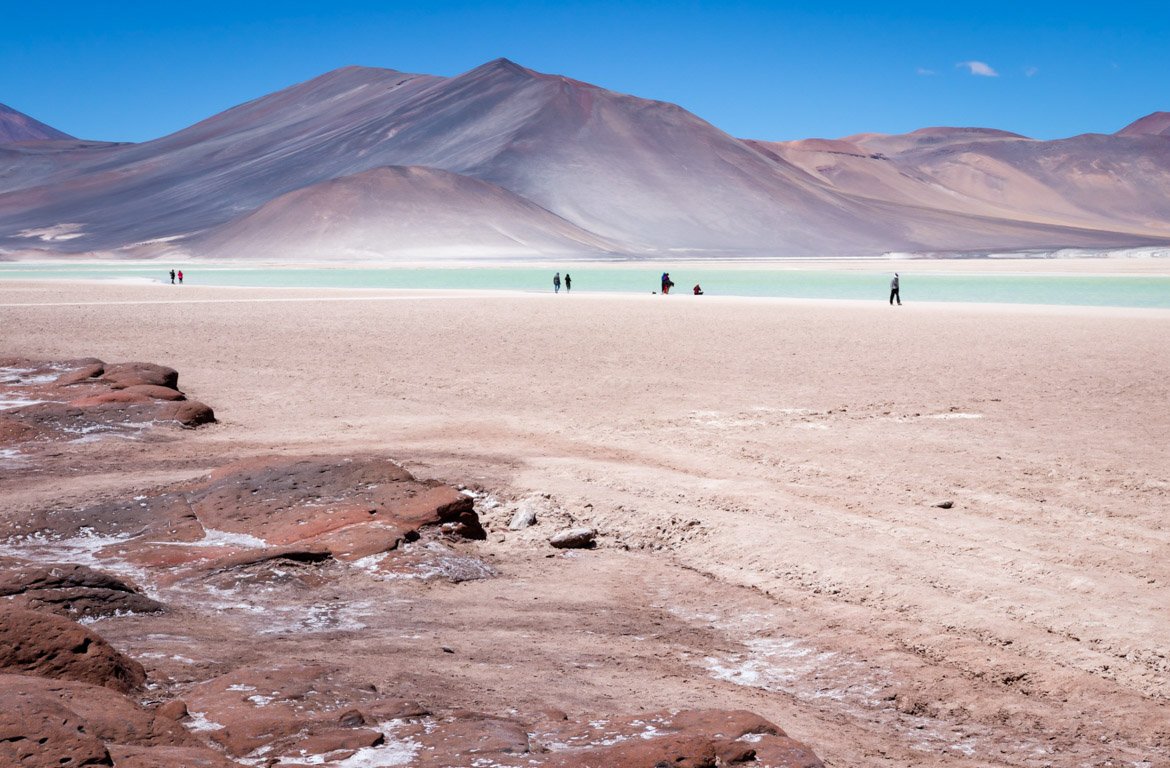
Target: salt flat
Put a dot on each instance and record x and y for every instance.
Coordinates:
(765, 475)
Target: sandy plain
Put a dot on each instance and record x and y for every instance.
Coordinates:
(764, 475)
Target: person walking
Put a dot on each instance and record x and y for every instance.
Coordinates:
(180, 277)
(667, 283)
(557, 283)
(172, 277)
(568, 283)
(895, 291)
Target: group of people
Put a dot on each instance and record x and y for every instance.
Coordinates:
(666, 284)
(179, 274)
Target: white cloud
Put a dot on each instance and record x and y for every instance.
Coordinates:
(925, 72)
(1031, 71)
(980, 68)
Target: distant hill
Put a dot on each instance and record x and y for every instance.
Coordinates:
(534, 163)
(397, 212)
(1156, 124)
(18, 127)
(1111, 184)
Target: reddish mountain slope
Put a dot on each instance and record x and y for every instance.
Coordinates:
(643, 177)
(1156, 124)
(1109, 183)
(18, 127)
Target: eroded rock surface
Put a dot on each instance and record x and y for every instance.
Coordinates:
(252, 512)
(69, 589)
(44, 644)
(87, 398)
(50, 723)
(291, 713)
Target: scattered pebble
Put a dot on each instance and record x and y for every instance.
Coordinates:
(574, 538)
(524, 517)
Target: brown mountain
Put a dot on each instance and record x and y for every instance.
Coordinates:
(1155, 124)
(601, 171)
(1117, 184)
(18, 127)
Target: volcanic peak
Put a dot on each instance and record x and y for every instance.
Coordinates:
(16, 126)
(1153, 124)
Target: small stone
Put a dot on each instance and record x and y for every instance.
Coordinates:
(352, 719)
(175, 709)
(523, 518)
(448, 649)
(574, 538)
(947, 504)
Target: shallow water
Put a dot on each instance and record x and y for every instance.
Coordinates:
(989, 287)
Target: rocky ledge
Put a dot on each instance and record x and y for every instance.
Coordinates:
(74, 400)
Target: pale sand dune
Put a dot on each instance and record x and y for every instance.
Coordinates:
(1025, 626)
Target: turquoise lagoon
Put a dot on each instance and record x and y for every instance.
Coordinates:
(741, 280)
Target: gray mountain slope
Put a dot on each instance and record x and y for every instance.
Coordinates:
(643, 177)
(397, 212)
(645, 173)
(18, 127)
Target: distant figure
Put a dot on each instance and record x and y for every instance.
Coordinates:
(698, 289)
(180, 277)
(568, 283)
(894, 294)
(667, 283)
(557, 283)
(172, 277)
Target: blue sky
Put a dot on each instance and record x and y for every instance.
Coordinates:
(132, 71)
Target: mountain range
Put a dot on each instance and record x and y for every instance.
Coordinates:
(502, 161)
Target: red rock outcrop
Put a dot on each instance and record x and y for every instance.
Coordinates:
(123, 375)
(38, 731)
(47, 645)
(296, 509)
(71, 590)
(290, 713)
(68, 400)
(167, 757)
(693, 738)
(50, 723)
